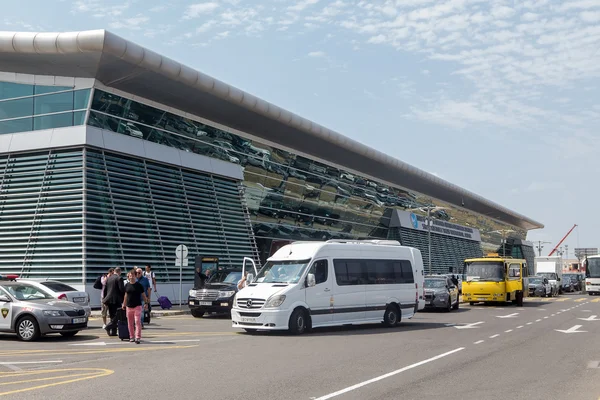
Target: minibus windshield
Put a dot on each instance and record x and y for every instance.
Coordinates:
(282, 271)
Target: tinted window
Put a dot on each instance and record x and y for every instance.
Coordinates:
(53, 121)
(373, 272)
(54, 103)
(58, 287)
(16, 108)
(321, 271)
(349, 272)
(16, 125)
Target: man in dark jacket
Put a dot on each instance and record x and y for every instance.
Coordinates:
(113, 298)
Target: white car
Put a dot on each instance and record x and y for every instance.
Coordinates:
(61, 291)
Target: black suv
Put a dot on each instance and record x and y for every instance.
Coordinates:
(216, 294)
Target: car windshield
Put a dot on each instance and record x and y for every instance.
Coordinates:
(26, 292)
(233, 277)
(435, 283)
(535, 281)
(282, 271)
(593, 267)
(549, 275)
(491, 271)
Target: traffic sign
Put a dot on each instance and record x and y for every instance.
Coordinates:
(181, 251)
(178, 262)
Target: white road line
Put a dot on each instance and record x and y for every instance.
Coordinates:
(398, 371)
(494, 336)
(29, 362)
(546, 317)
(537, 320)
(479, 342)
(552, 315)
(508, 331)
(519, 327)
(529, 323)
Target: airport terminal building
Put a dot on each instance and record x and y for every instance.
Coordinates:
(111, 154)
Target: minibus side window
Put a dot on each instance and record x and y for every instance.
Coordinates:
(320, 269)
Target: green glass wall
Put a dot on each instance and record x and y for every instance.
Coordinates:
(34, 107)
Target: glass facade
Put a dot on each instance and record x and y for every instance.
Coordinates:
(289, 197)
(34, 107)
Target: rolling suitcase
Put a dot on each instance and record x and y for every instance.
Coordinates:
(122, 326)
(164, 302)
(146, 317)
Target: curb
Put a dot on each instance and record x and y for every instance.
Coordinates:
(153, 314)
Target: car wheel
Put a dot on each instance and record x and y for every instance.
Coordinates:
(69, 334)
(391, 317)
(297, 324)
(455, 307)
(249, 330)
(197, 313)
(28, 329)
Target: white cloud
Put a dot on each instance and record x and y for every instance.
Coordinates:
(196, 10)
(317, 54)
(302, 4)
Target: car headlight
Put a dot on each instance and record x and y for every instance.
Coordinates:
(275, 301)
(226, 293)
(53, 313)
(192, 293)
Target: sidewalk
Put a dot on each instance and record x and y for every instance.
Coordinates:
(155, 312)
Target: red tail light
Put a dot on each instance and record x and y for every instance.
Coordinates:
(62, 297)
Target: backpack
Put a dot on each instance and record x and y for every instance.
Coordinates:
(98, 283)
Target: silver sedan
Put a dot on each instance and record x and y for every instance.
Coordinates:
(30, 312)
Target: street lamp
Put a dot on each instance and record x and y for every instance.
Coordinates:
(504, 233)
(540, 247)
(428, 224)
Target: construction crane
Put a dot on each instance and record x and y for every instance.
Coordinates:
(562, 240)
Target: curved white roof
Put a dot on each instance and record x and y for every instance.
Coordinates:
(124, 65)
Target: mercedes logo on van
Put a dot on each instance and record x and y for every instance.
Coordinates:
(249, 303)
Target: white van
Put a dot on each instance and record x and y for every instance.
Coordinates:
(337, 282)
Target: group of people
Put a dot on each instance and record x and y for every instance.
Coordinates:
(133, 297)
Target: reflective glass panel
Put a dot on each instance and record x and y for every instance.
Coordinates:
(53, 121)
(81, 100)
(16, 108)
(16, 125)
(39, 89)
(9, 90)
(53, 103)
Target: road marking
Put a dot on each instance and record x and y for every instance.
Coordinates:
(93, 373)
(529, 323)
(513, 315)
(594, 364)
(552, 315)
(580, 300)
(95, 351)
(572, 329)
(519, 327)
(595, 301)
(537, 320)
(508, 331)
(590, 318)
(563, 299)
(479, 342)
(398, 371)
(546, 317)
(494, 336)
(466, 326)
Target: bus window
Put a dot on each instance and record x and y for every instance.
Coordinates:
(514, 271)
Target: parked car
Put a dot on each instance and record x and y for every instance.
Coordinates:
(539, 286)
(62, 291)
(31, 312)
(441, 293)
(568, 284)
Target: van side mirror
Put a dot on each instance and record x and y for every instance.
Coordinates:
(4, 298)
(249, 278)
(311, 280)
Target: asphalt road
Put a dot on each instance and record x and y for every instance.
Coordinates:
(478, 351)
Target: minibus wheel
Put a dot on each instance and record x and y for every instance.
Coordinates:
(391, 317)
(298, 322)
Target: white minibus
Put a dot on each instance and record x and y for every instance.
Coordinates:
(306, 285)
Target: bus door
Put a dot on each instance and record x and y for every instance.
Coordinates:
(514, 278)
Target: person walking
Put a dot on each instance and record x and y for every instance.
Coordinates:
(134, 294)
(104, 310)
(139, 274)
(113, 299)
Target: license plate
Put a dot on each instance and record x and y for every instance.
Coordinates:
(79, 320)
(205, 303)
(428, 302)
(79, 299)
(248, 319)
(482, 298)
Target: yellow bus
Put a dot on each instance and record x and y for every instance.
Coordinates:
(494, 278)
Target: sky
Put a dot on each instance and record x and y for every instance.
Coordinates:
(499, 97)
